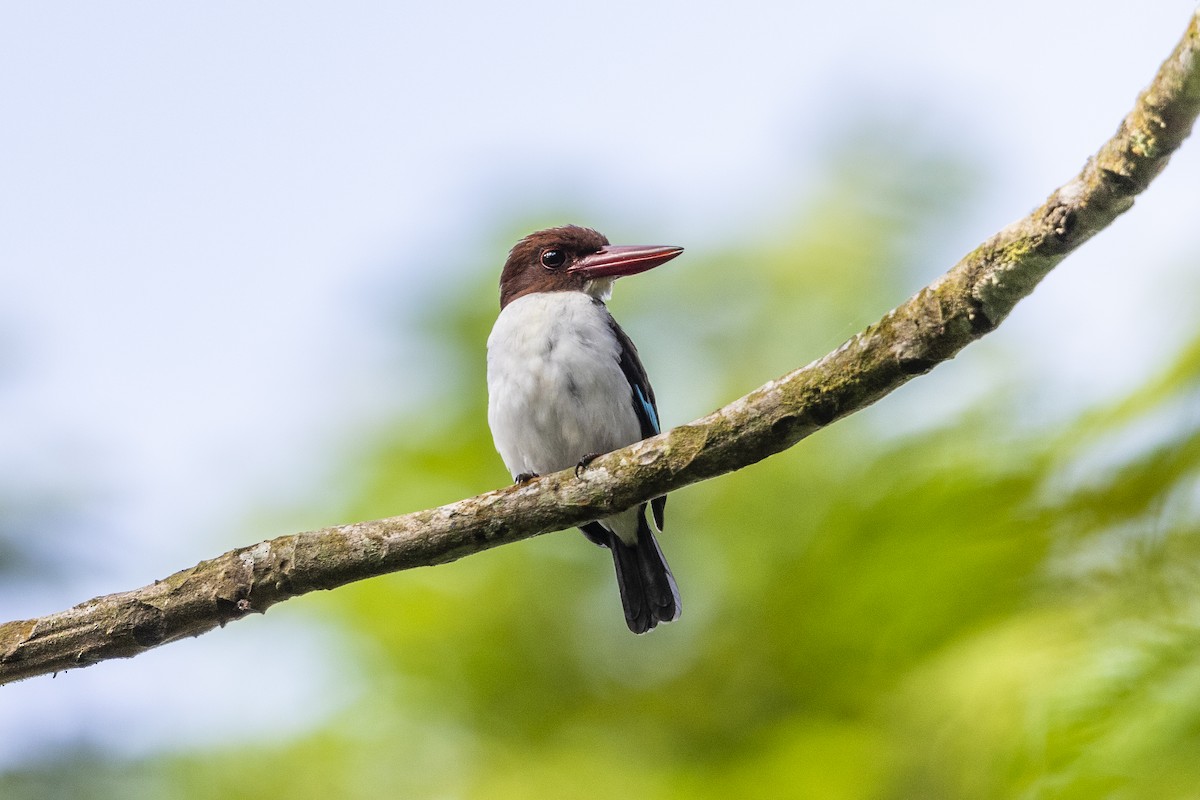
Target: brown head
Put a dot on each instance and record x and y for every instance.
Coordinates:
(572, 258)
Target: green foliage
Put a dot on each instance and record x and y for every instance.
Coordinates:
(980, 608)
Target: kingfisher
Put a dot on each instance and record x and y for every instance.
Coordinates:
(565, 384)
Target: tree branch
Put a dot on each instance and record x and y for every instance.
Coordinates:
(964, 304)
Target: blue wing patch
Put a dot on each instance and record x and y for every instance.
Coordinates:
(647, 408)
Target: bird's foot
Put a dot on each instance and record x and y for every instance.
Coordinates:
(583, 463)
(526, 477)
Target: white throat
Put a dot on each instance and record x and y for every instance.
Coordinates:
(599, 288)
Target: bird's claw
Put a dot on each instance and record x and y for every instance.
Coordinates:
(583, 463)
(526, 477)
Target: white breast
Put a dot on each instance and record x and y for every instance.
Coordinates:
(555, 388)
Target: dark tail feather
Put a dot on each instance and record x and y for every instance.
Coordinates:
(648, 590)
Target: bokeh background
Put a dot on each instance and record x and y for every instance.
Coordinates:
(248, 256)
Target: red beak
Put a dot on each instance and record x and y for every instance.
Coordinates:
(614, 261)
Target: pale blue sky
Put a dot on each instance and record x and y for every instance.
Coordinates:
(196, 200)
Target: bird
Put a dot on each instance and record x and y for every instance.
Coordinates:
(565, 384)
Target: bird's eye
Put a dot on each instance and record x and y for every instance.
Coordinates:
(553, 259)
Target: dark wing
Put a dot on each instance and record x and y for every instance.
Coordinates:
(639, 385)
(644, 405)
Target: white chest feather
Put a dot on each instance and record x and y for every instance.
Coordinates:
(556, 391)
